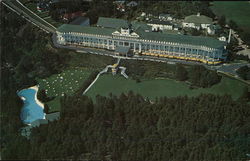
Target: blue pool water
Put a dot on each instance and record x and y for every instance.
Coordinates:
(31, 111)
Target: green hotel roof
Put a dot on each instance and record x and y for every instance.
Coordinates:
(111, 22)
(198, 19)
(182, 39)
(85, 29)
(157, 36)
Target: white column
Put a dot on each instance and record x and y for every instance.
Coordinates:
(139, 47)
(198, 52)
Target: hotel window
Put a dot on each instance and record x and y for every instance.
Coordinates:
(176, 49)
(190, 51)
(210, 54)
(194, 51)
(216, 54)
(206, 53)
(137, 46)
(143, 46)
(126, 44)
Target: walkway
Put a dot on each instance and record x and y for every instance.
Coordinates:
(105, 70)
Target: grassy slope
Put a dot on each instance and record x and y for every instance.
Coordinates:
(236, 11)
(59, 84)
(78, 64)
(152, 88)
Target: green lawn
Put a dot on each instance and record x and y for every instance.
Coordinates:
(70, 80)
(238, 11)
(161, 87)
(66, 82)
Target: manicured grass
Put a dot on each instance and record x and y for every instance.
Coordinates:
(66, 82)
(161, 87)
(238, 11)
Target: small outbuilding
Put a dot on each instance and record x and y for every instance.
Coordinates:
(52, 116)
(164, 16)
(160, 25)
(132, 4)
(197, 21)
(38, 122)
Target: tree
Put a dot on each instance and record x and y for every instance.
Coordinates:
(245, 95)
(46, 109)
(202, 77)
(232, 25)
(244, 72)
(42, 96)
(181, 73)
(222, 21)
(195, 32)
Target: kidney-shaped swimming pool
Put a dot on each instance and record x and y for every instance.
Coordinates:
(32, 108)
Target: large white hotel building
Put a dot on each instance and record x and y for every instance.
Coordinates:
(111, 33)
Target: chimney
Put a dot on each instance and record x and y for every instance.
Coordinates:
(198, 14)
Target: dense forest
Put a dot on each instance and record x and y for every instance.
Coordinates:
(106, 8)
(26, 54)
(130, 127)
